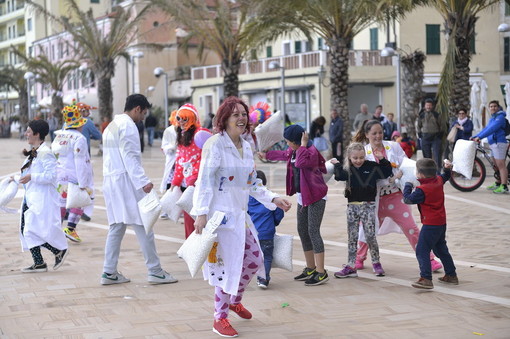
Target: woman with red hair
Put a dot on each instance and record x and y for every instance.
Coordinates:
(226, 180)
(188, 157)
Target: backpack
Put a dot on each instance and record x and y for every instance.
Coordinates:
(507, 127)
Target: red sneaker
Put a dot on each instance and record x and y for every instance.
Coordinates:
(240, 311)
(224, 329)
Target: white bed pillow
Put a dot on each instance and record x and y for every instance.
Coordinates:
(150, 210)
(76, 197)
(408, 168)
(282, 252)
(8, 191)
(464, 157)
(186, 200)
(270, 131)
(169, 203)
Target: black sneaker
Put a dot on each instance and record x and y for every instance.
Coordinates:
(85, 217)
(59, 258)
(317, 279)
(35, 268)
(307, 274)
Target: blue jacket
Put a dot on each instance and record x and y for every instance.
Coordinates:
(495, 130)
(265, 220)
(466, 133)
(90, 131)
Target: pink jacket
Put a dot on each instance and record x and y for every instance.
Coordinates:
(311, 165)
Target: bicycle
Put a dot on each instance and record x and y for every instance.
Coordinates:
(279, 146)
(464, 184)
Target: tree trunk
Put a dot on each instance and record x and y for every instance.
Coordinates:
(459, 97)
(412, 80)
(231, 76)
(339, 53)
(23, 106)
(57, 104)
(105, 95)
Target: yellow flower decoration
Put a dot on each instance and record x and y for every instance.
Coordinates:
(387, 147)
(369, 152)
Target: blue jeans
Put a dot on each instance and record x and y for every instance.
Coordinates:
(433, 238)
(267, 247)
(431, 148)
(150, 134)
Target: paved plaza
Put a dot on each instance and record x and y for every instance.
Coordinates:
(70, 302)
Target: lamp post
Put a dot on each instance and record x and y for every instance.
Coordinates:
(28, 76)
(276, 65)
(138, 55)
(159, 71)
(390, 52)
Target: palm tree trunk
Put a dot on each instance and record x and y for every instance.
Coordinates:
(231, 76)
(412, 68)
(339, 53)
(23, 106)
(461, 88)
(57, 104)
(105, 96)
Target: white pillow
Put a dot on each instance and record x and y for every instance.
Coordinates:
(408, 168)
(169, 203)
(464, 157)
(186, 200)
(8, 191)
(76, 197)
(150, 210)
(270, 132)
(196, 248)
(282, 253)
(330, 168)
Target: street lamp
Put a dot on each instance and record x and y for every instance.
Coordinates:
(159, 71)
(276, 65)
(504, 27)
(28, 76)
(138, 55)
(390, 52)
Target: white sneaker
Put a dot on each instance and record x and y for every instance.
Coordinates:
(164, 216)
(162, 278)
(114, 278)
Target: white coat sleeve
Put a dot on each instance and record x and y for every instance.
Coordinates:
(169, 141)
(260, 192)
(129, 143)
(205, 185)
(49, 174)
(82, 162)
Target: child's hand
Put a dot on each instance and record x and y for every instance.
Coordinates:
(399, 174)
(304, 139)
(334, 161)
(378, 154)
(447, 163)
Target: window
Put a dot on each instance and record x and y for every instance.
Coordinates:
(506, 54)
(320, 44)
(433, 42)
(269, 51)
(29, 24)
(507, 9)
(374, 41)
(297, 47)
(30, 51)
(60, 50)
(94, 1)
(286, 48)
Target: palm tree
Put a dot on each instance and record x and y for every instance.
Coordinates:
(52, 74)
(412, 80)
(12, 77)
(459, 17)
(100, 43)
(217, 25)
(336, 21)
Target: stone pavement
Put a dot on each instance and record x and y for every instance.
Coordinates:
(70, 302)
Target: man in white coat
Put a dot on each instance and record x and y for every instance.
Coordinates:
(124, 184)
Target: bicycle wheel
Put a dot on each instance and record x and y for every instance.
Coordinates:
(464, 184)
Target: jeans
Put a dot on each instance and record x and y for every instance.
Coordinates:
(433, 238)
(267, 247)
(150, 134)
(431, 148)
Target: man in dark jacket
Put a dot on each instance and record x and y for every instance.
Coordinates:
(429, 131)
(336, 134)
(150, 124)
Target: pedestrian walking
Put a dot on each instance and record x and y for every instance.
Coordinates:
(124, 184)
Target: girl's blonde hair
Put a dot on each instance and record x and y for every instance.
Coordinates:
(353, 147)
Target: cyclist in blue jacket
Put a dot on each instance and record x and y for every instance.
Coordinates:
(495, 134)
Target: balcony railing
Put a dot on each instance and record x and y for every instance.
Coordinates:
(293, 62)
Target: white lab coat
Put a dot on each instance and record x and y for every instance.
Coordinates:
(123, 174)
(73, 161)
(169, 147)
(42, 219)
(225, 182)
(395, 154)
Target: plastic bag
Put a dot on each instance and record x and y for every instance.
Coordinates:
(282, 252)
(321, 144)
(76, 197)
(149, 208)
(169, 203)
(464, 157)
(270, 132)
(8, 190)
(196, 248)
(186, 200)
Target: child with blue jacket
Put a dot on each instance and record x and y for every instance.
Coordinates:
(265, 222)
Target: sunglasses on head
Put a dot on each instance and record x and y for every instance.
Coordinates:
(178, 118)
